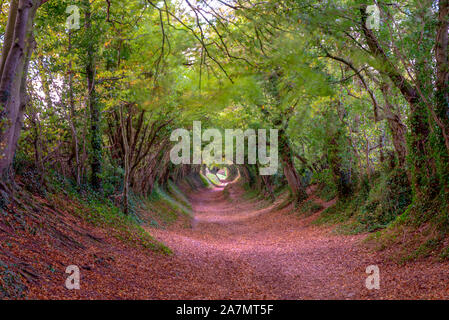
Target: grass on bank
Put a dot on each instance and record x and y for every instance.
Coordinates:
(101, 211)
(374, 206)
(383, 207)
(165, 206)
(308, 208)
(170, 204)
(213, 179)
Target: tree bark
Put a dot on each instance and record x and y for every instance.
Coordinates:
(422, 175)
(442, 88)
(397, 127)
(125, 162)
(291, 174)
(17, 49)
(94, 108)
(71, 119)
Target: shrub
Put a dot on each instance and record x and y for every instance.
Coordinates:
(374, 206)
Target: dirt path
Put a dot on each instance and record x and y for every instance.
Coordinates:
(236, 249)
(242, 249)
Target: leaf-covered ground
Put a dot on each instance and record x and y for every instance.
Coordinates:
(248, 250)
(236, 248)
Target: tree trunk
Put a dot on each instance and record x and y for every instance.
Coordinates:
(17, 49)
(442, 91)
(381, 147)
(94, 108)
(423, 166)
(336, 143)
(397, 127)
(125, 162)
(71, 119)
(291, 174)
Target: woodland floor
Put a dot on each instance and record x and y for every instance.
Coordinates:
(236, 248)
(243, 249)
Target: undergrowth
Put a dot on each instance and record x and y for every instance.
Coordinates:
(374, 206)
(213, 179)
(408, 230)
(308, 208)
(164, 206)
(419, 232)
(101, 211)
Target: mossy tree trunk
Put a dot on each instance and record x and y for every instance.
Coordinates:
(93, 103)
(295, 184)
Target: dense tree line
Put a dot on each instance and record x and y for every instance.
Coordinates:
(97, 104)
